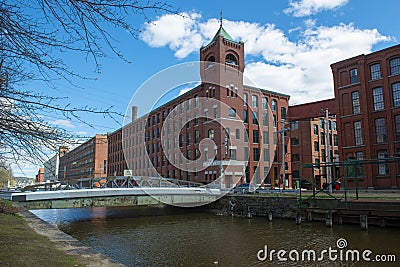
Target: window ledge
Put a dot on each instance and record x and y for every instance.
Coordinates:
(357, 146)
(378, 79)
(349, 85)
(351, 115)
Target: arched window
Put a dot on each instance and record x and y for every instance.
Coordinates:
(210, 61)
(274, 105)
(264, 103)
(231, 59)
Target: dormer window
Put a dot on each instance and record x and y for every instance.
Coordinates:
(231, 60)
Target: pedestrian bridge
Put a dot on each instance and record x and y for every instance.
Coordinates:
(116, 197)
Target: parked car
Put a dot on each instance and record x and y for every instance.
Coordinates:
(305, 184)
(244, 188)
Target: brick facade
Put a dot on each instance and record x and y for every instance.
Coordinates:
(308, 139)
(221, 110)
(88, 160)
(367, 92)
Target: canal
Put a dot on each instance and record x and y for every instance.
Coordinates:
(183, 237)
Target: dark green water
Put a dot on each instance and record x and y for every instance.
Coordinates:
(180, 237)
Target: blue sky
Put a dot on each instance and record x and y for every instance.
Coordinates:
(289, 46)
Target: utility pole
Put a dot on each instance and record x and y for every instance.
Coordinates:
(328, 150)
(282, 131)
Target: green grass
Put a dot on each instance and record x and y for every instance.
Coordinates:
(22, 246)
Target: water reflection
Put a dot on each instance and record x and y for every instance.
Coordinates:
(178, 237)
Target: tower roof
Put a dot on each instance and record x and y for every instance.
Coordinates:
(221, 32)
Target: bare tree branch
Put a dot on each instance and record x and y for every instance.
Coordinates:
(34, 36)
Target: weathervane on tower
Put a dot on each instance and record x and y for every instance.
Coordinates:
(220, 18)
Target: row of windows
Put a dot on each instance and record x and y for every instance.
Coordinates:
(382, 166)
(375, 70)
(378, 98)
(380, 131)
(264, 102)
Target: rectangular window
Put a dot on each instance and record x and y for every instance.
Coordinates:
(245, 116)
(383, 166)
(233, 154)
(266, 155)
(323, 155)
(353, 76)
(316, 146)
(246, 154)
(237, 134)
(256, 154)
(356, 102)
(397, 127)
(255, 136)
(266, 137)
(358, 133)
(275, 121)
(283, 113)
(294, 141)
(375, 71)
(322, 139)
(294, 125)
(396, 94)
(395, 66)
(380, 130)
(255, 117)
(254, 101)
(105, 166)
(245, 99)
(246, 135)
(215, 112)
(196, 137)
(322, 123)
(265, 119)
(378, 98)
(315, 129)
(335, 140)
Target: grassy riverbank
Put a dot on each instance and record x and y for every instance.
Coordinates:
(22, 246)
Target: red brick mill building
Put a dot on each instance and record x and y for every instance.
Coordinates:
(367, 92)
(220, 126)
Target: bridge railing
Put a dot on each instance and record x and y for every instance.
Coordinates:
(124, 182)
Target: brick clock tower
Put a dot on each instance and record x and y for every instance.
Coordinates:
(221, 71)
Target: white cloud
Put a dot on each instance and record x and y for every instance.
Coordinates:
(178, 31)
(63, 123)
(309, 7)
(300, 68)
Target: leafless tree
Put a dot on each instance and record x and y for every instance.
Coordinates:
(34, 36)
